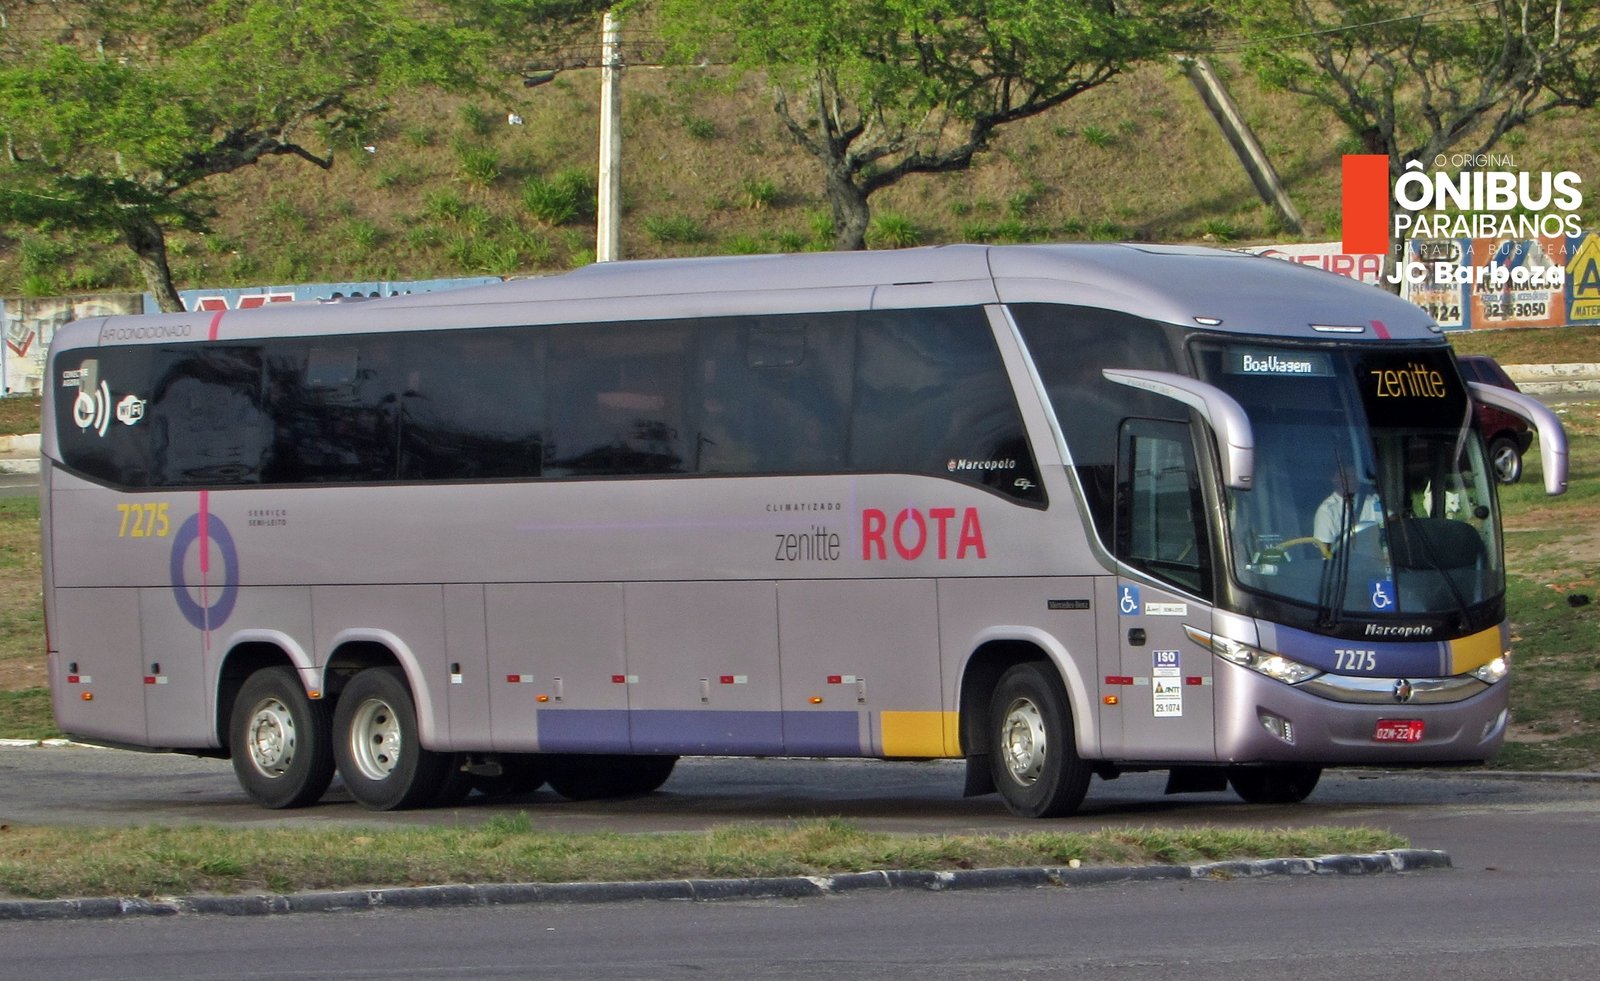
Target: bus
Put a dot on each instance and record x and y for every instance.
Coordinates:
(1061, 511)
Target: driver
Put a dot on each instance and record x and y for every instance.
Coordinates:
(1328, 525)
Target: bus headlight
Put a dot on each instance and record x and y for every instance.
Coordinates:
(1495, 670)
(1274, 666)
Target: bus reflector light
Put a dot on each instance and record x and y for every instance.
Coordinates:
(541, 698)
(88, 696)
(816, 699)
(1280, 727)
(1112, 700)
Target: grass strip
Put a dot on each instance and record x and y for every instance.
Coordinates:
(52, 863)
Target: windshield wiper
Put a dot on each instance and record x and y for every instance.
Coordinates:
(1336, 571)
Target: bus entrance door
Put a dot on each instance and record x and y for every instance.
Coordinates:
(1164, 689)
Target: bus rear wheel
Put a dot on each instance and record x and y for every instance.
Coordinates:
(1033, 759)
(1287, 783)
(580, 777)
(280, 740)
(375, 743)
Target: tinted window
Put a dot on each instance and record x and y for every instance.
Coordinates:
(1070, 346)
(775, 394)
(615, 394)
(477, 415)
(336, 408)
(1161, 515)
(933, 397)
(916, 391)
(157, 416)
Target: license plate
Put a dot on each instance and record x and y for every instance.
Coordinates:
(1398, 731)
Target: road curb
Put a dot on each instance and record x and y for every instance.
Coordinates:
(710, 890)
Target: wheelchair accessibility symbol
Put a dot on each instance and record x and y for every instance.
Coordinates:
(1382, 594)
(1128, 601)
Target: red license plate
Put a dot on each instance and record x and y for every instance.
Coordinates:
(1398, 731)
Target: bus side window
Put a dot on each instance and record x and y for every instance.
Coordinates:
(472, 405)
(798, 375)
(1160, 525)
(615, 400)
(932, 397)
(337, 410)
(206, 424)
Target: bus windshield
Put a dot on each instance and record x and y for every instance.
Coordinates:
(1371, 498)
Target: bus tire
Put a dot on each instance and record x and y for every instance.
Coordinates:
(375, 744)
(582, 777)
(281, 741)
(456, 784)
(1283, 783)
(520, 773)
(1033, 758)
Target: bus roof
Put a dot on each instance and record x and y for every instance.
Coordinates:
(1191, 287)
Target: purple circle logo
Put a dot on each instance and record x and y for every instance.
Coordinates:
(211, 611)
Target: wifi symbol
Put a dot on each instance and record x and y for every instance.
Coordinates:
(93, 410)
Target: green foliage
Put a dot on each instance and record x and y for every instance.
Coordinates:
(675, 229)
(52, 862)
(363, 233)
(119, 135)
(1097, 137)
(477, 122)
(418, 137)
(1413, 83)
(566, 197)
(699, 127)
(821, 225)
(480, 165)
(27, 715)
(891, 230)
(878, 91)
(759, 193)
(444, 203)
(1220, 230)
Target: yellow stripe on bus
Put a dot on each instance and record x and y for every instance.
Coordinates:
(920, 734)
(1473, 652)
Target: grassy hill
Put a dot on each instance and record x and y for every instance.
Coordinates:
(448, 186)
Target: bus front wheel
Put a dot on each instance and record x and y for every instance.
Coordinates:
(380, 757)
(1286, 783)
(280, 740)
(1033, 758)
(585, 777)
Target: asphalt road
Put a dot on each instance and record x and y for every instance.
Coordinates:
(1521, 900)
(111, 787)
(19, 485)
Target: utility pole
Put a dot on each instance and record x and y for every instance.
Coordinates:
(1231, 121)
(608, 218)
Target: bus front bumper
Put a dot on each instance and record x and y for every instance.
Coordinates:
(1261, 720)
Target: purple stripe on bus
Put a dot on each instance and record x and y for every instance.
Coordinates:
(700, 732)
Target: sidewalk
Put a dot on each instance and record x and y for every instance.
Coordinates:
(1556, 379)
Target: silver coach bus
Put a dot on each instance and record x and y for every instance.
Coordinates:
(1057, 510)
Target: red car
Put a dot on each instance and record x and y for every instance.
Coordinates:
(1507, 436)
